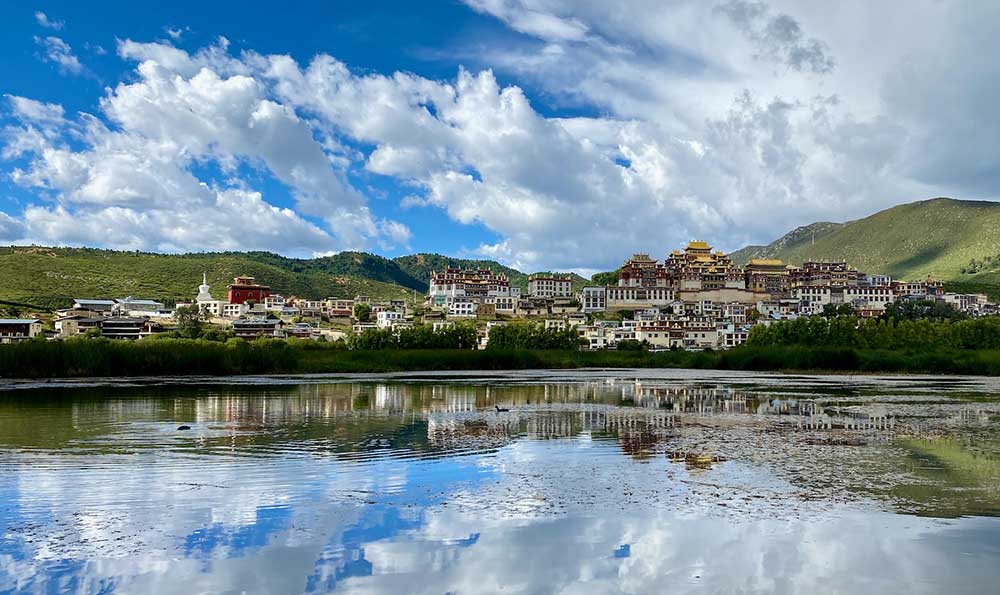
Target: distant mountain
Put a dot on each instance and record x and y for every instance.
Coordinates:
(953, 240)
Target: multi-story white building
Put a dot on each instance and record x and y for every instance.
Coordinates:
(813, 294)
(869, 298)
(593, 299)
(550, 286)
(388, 318)
(274, 302)
(733, 335)
(735, 313)
(462, 309)
(969, 303)
(504, 304)
(232, 310)
(475, 285)
(633, 298)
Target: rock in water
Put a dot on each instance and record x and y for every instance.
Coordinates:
(183, 427)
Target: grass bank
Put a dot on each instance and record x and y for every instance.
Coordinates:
(747, 358)
(98, 357)
(103, 357)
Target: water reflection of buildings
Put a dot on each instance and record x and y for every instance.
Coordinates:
(638, 431)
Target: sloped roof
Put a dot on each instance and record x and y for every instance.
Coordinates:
(94, 302)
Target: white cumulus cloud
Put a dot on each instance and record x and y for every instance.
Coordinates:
(58, 52)
(42, 19)
(730, 121)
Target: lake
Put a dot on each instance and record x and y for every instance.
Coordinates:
(599, 481)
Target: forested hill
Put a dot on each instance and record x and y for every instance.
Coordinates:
(51, 277)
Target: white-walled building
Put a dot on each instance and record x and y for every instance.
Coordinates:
(869, 298)
(462, 309)
(131, 306)
(388, 318)
(550, 286)
(593, 299)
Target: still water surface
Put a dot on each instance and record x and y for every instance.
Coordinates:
(593, 482)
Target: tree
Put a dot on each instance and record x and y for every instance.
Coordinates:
(609, 278)
(529, 335)
(837, 310)
(362, 312)
(921, 310)
(633, 345)
(189, 321)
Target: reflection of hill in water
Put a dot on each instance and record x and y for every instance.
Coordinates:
(829, 444)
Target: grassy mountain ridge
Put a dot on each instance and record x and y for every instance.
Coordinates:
(52, 277)
(956, 241)
(937, 237)
(797, 238)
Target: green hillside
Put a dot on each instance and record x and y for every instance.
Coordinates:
(797, 238)
(941, 237)
(51, 277)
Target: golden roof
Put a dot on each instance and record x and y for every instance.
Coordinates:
(698, 245)
(767, 262)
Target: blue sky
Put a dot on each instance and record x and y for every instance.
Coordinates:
(545, 134)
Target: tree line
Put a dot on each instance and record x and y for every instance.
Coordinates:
(880, 333)
(419, 336)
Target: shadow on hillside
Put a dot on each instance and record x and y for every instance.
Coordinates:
(921, 258)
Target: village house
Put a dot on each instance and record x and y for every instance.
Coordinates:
(75, 324)
(14, 330)
(339, 308)
(133, 307)
(129, 328)
(252, 328)
(387, 318)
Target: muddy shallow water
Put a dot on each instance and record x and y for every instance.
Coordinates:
(640, 481)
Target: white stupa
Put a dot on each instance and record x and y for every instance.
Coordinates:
(203, 294)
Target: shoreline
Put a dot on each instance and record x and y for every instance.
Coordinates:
(642, 375)
(34, 360)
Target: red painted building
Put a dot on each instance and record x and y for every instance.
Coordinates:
(246, 288)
